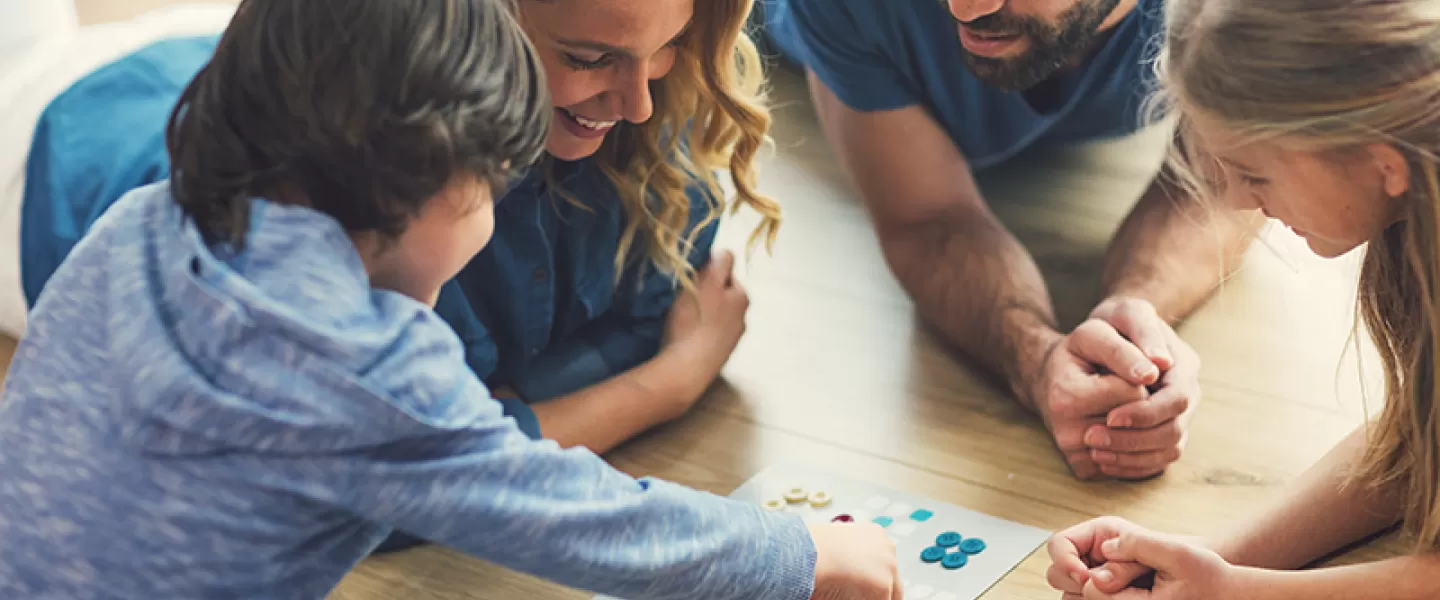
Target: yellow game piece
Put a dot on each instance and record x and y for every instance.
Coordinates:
(820, 499)
(796, 495)
(774, 505)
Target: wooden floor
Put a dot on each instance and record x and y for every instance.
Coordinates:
(836, 371)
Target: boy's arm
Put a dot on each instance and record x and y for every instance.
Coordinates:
(481, 355)
(475, 483)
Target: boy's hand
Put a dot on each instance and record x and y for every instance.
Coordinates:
(854, 562)
(706, 325)
(1102, 558)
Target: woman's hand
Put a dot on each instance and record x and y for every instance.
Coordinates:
(705, 325)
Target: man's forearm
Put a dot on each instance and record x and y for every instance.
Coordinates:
(1174, 251)
(974, 282)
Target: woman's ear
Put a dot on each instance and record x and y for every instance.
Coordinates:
(1394, 169)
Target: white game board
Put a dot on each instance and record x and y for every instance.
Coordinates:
(904, 515)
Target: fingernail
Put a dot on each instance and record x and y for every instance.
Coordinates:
(1078, 577)
(1143, 369)
(1099, 439)
(1110, 546)
(1159, 353)
(1118, 421)
(1103, 575)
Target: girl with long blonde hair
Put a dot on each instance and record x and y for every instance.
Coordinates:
(570, 314)
(1325, 115)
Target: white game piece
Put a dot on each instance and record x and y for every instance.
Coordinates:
(918, 592)
(903, 529)
(796, 495)
(877, 503)
(943, 596)
(900, 510)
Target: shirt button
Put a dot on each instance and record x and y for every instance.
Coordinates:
(540, 274)
(534, 352)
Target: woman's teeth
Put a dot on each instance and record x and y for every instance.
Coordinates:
(589, 123)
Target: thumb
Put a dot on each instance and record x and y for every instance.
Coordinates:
(1115, 576)
(1149, 549)
(722, 263)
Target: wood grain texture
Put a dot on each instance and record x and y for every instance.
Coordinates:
(836, 370)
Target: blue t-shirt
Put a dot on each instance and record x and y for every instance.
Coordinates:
(878, 55)
(185, 421)
(539, 310)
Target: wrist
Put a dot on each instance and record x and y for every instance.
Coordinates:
(676, 377)
(1247, 582)
(1031, 345)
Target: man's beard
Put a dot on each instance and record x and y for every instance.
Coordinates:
(1052, 46)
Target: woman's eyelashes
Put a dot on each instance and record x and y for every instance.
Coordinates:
(583, 64)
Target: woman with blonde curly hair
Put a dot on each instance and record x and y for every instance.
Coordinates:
(570, 315)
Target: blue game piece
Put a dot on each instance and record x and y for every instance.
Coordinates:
(972, 546)
(921, 515)
(933, 554)
(954, 560)
(883, 521)
(947, 540)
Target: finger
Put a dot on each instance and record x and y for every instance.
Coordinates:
(1069, 596)
(721, 266)
(1168, 403)
(1061, 581)
(1132, 474)
(897, 588)
(1158, 551)
(737, 291)
(1068, 571)
(1070, 437)
(1139, 323)
(1116, 576)
(1095, 593)
(1138, 461)
(1116, 439)
(1098, 343)
(1081, 465)
(1100, 395)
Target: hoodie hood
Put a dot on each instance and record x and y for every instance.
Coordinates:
(215, 348)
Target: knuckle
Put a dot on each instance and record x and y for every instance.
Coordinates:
(1174, 454)
(1070, 439)
(1182, 404)
(1172, 432)
(1136, 305)
(1062, 405)
(1093, 328)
